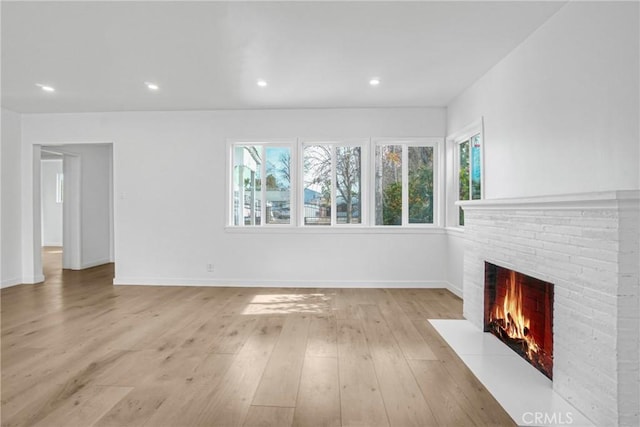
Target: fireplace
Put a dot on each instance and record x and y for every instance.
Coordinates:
(518, 309)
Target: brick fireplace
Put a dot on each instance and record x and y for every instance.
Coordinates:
(586, 245)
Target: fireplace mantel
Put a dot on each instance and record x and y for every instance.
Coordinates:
(588, 245)
(595, 200)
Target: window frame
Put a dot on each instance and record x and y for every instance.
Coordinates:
(453, 147)
(433, 142)
(275, 143)
(364, 144)
(368, 147)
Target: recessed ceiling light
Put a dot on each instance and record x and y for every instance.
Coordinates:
(45, 87)
(374, 81)
(261, 83)
(152, 86)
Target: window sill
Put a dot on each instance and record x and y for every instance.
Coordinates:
(335, 230)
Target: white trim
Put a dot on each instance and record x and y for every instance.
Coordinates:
(94, 263)
(405, 185)
(341, 229)
(456, 290)
(334, 185)
(111, 205)
(595, 200)
(400, 284)
(452, 143)
(418, 141)
(438, 170)
(32, 280)
(7, 283)
(72, 212)
(467, 131)
(363, 144)
(459, 231)
(290, 143)
(367, 181)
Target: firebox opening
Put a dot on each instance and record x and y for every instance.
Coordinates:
(518, 309)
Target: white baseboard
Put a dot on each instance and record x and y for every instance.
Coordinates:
(156, 281)
(93, 264)
(33, 279)
(454, 289)
(54, 244)
(6, 283)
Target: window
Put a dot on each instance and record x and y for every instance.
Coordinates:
(332, 184)
(468, 167)
(261, 179)
(404, 183)
(324, 184)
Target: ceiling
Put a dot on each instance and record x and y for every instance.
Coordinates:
(209, 55)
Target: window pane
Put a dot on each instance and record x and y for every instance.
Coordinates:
(348, 173)
(476, 165)
(246, 185)
(420, 185)
(463, 177)
(278, 185)
(59, 187)
(317, 185)
(389, 185)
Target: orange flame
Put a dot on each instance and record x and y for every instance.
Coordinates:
(516, 325)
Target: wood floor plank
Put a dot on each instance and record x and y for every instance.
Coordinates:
(84, 407)
(137, 406)
(269, 416)
(319, 395)
(69, 370)
(281, 378)
(446, 401)
(402, 397)
(486, 411)
(322, 340)
(436, 343)
(360, 399)
(228, 404)
(409, 339)
(205, 332)
(232, 334)
(187, 400)
(77, 350)
(16, 411)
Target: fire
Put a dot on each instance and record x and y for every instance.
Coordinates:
(511, 318)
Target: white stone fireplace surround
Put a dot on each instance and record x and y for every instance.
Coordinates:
(587, 245)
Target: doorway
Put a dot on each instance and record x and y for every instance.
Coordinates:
(51, 210)
(76, 213)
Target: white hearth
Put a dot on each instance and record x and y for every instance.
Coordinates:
(587, 245)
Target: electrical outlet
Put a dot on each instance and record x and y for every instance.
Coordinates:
(210, 267)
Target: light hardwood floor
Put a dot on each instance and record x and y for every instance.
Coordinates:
(77, 351)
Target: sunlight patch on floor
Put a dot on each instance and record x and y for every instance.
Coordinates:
(288, 303)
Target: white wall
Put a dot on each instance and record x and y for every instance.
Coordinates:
(95, 161)
(561, 110)
(11, 259)
(170, 182)
(51, 210)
